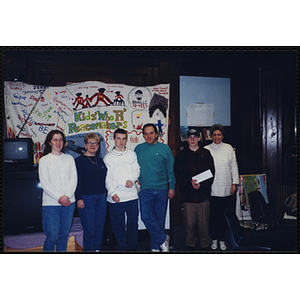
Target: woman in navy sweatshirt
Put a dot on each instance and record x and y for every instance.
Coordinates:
(91, 193)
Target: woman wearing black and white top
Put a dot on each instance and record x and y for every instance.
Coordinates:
(224, 185)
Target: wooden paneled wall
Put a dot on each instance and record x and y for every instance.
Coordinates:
(263, 92)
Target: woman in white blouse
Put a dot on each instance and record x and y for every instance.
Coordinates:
(224, 185)
(58, 178)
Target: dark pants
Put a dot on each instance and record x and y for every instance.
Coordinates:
(125, 232)
(218, 226)
(153, 207)
(92, 218)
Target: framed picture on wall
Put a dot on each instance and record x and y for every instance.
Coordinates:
(207, 134)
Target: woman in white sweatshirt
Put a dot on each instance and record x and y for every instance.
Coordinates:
(58, 178)
(224, 185)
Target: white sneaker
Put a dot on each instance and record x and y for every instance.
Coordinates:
(165, 247)
(214, 244)
(155, 250)
(223, 245)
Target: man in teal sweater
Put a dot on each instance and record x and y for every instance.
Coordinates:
(157, 182)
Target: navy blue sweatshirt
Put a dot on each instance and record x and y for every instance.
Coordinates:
(91, 177)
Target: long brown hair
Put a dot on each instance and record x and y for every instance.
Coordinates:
(47, 146)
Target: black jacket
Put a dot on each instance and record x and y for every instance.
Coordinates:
(188, 164)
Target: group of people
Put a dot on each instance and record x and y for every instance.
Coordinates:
(93, 182)
(95, 185)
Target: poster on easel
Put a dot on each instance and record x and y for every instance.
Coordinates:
(249, 183)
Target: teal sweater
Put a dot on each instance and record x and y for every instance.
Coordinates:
(156, 164)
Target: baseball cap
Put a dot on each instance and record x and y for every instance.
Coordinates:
(192, 131)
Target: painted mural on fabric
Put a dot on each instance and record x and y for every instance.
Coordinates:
(80, 108)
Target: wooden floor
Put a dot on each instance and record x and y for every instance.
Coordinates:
(72, 247)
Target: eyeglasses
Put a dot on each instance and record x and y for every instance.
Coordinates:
(94, 144)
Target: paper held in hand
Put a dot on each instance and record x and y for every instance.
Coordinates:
(203, 176)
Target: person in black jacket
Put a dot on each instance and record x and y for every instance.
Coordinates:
(191, 161)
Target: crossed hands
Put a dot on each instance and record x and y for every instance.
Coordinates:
(64, 201)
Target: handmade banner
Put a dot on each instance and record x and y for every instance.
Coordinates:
(81, 108)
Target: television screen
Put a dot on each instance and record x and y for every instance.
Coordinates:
(15, 150)
(18, 154)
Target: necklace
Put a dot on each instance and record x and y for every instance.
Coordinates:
(95, 163)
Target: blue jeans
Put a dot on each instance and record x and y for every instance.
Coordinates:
(153, 207)
(92, 218)
(57, 222)
(126, 239)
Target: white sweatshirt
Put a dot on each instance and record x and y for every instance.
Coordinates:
(226, 169)
(58, 177)
(121, 166)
